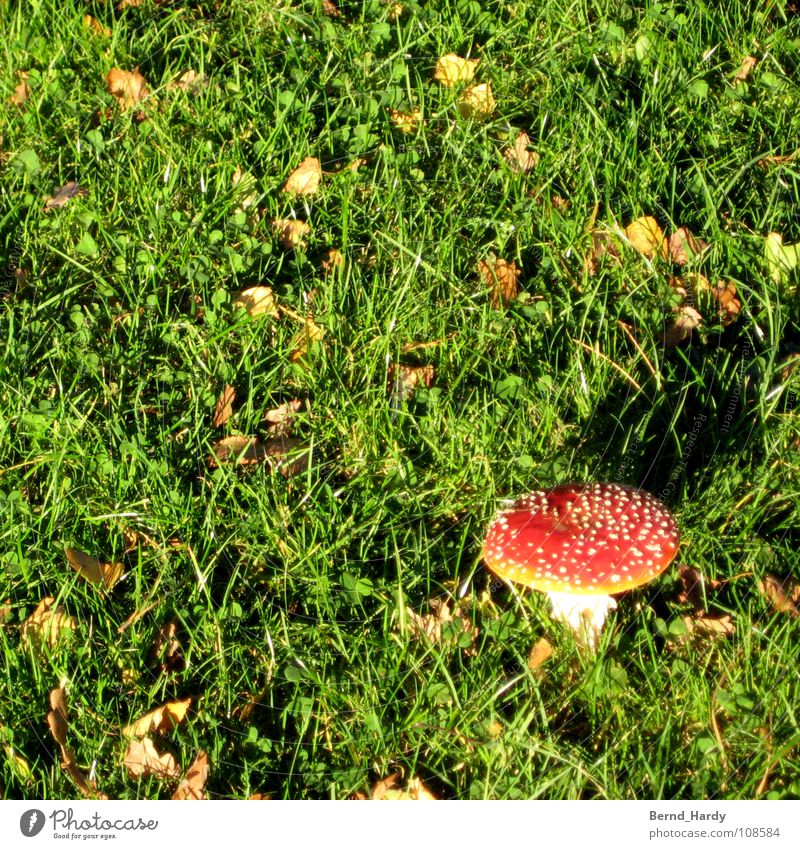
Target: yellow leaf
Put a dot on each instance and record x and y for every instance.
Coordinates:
(22, 92)
(128, 87)
(194, 782)
(519, 157)
(333, 261)
(645, 236)
(405, 122)
(290, 232)
(93, 570)
(387, 790)
(539, 655)
(310, 334)
(48, 623)
(781, 259)
(501, 277)
(744, 70)
(305, 179)
(158, 721)
(452, 69)
(477, 102)
(142, 758)
(96, 26)
(246, 186)
(257, 300)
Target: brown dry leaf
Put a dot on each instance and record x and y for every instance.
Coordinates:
(224, 409)
(158, 721)
(783, 594)
(711, 626)
(290, 232)
(430, 626)
(92, 570)
(128, 87)
(603, 245)
(166, 652)
(501, 277)
(387, 790)
(452, 69)
(58, 717)
(22, 91)
(768, 161)
(309, 335)
(330, 9)
(260, 797)
(194, 782)
(63, 194)
(305, 179)
(477, 102)
(190, 81)
(646, 236)
(142, 758)
(684, 247)
(95, 25)
(744, 70)
(406, 122)
(721, 295)
(256, 301)
(287, 456)
(540, 654)
(686, 320)
(242, 450)
(694, 587)
(403, 381)
(334, 260)
(281, 417)
(48, 623)
(519, 157)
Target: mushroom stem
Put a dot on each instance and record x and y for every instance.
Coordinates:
(584, 614)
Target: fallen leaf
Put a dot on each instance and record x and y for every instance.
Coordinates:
(309, 335)
(744, 70)
(95, 25)
(452, 69)
(686, 320)
(224, 409)
(194, 782)
(646, 237)
(330, 9)
(405, 122)
(477, 102)
(22, 91)
(128, 87)
(694, 587)
(260, 797)
(256, 301)
(290, 232)
(246, 188)
(603, 246)
(242, 450)
(782, 594)
(287, 455)
(395, 11)
(387, 790)
(781, 259)
(305, 179)
(333, 261)
(190, 81)
(784, 159)
(63, 194)
(158, 721)
(281, 417)
(432, 626)
(48, 623)
(142, 759)
(540, 654)
(712, 626)
(519, 157)
(166, 653)
(683, 246)
(92, 570)
(501, 277)
(403, 381)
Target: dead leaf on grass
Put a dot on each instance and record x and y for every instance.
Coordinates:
(744, 70)
(158, 721)
(256, 301)
(92, 570)
(290, 232)
(404, 380)
(539, 655)
(330, 9)
(684, 247)
(128, 87)
(603, 247)
(433, 627)
(501, 277)
(194, 782)
(224, 409)
(452, 69)
(166, 652)
(405, 122)
(246, 188)
(646, 237)
(63, 194)
(710, 626)
(783, 594)
(387, 789)
(97, 28)
(519, 157)
(190, 81)
(48, 623)
(781, 259)
(22, 91)
(307, 337)
(143, 759)
(281, 417)
(477, 102)
(305, 179)
(242, 450)
(694, 587)
(686, 320)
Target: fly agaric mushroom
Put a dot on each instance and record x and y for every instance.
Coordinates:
(580, 542)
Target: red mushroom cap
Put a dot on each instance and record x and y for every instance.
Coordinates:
(585, 539)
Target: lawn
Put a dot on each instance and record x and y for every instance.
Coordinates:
(451, 314)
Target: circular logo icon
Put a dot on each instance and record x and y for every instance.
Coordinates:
(31, 822)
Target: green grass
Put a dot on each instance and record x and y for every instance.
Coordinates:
(290, 593)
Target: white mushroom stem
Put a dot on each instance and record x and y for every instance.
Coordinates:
(584, 614)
